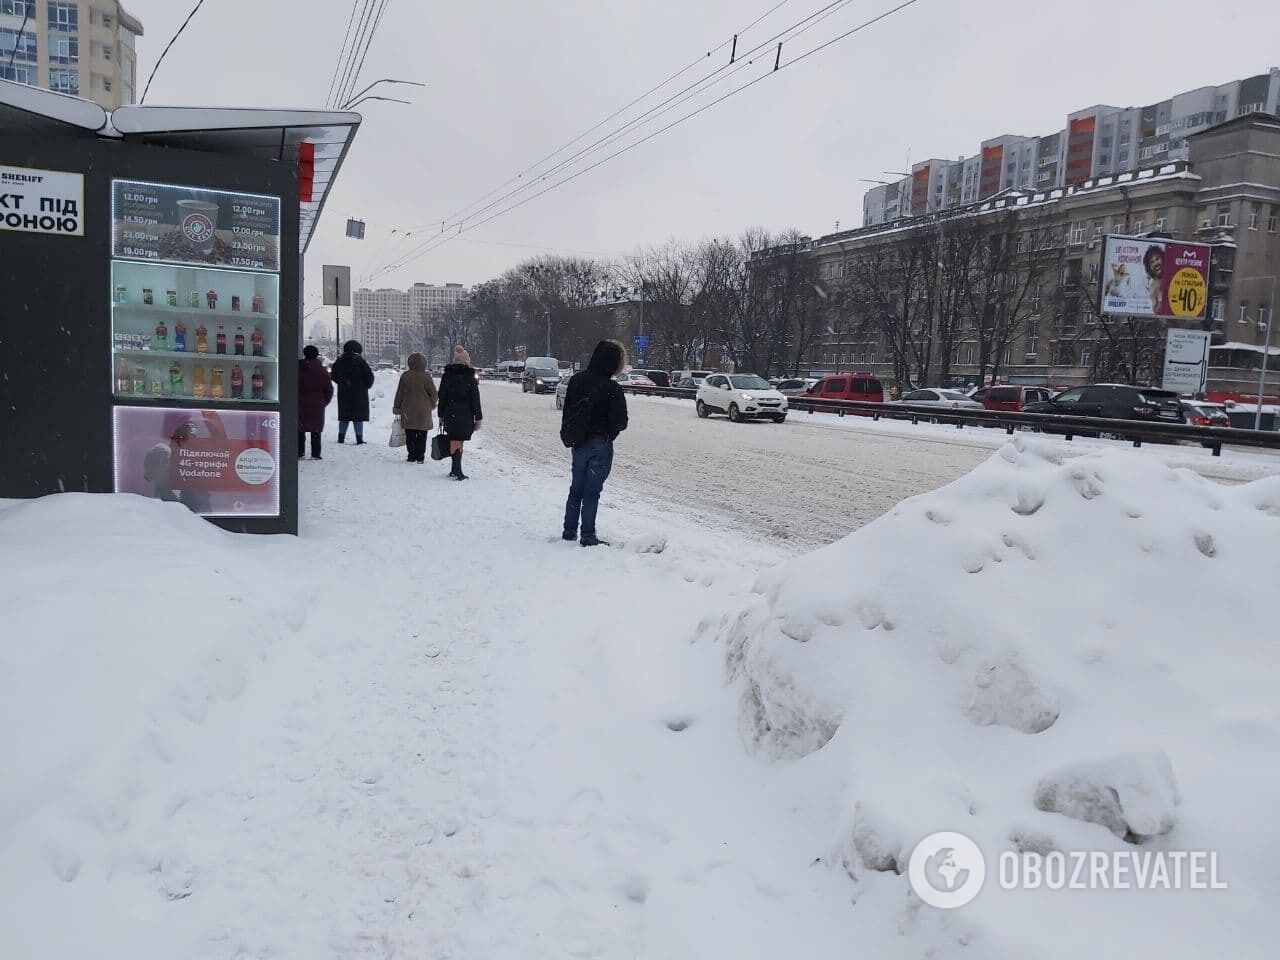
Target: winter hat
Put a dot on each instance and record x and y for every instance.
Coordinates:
(352, 346)
(460, 355)
(310, 351)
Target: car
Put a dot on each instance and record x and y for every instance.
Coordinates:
(742, 396)
(660, 378)
(848, 386)
(937, 397)
(634, 379)
(794, 386)
(1113, 401)
(1201, 413)
(562, 388)
(1011, 398)
(678, 375)
(541, 374)
(691, 383)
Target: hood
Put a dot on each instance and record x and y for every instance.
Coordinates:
(352, 346)
(606, 359)
(461, 368)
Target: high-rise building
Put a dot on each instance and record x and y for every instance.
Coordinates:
(82, 47)
(1096, 141)
(401, 319)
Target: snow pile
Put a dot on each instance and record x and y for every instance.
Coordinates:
(128, 623)
(1048, 654)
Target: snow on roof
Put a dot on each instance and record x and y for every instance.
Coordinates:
(1249, 347)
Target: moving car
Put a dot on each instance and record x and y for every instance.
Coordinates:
(1201, 413)
(1113, 401)
(742, 396)
(678, 375)
(848, 386)
(635, 378)
(794, 386)
(561, 389)
(660, 378)
(541, 374)
(691, 383)
(936, 397)
(1010, 397)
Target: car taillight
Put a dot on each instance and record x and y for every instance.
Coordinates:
(1202, 421)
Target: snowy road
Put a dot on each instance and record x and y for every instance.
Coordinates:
(800, 484)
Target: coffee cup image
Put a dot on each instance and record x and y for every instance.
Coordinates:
(199, 224)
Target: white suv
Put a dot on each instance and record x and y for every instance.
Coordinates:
(742, 396)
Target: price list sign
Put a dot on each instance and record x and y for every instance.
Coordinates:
(164, 223)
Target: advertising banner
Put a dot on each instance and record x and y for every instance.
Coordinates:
(163, 223)
(1186, 361)
(41, 201)
(219, 463)
(1160, 279)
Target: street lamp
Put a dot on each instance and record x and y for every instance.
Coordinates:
(360, 97)
(1266, 349)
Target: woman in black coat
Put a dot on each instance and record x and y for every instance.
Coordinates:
(459, 407)
(354, 378)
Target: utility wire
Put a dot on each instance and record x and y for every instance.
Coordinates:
(351, 53)
(194, 11)
(355, 77)
(337, 65)
(440, 240)
(17, 40)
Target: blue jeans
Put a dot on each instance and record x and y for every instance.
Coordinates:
(591, 465)
(342, 429)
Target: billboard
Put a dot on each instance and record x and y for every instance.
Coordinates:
(1186, 361)
(219, 463)
(1160, 279)
(41, 201)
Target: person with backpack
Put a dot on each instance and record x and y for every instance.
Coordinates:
(595, 412)
(459, 407)
(415, 399)
(354, 378)
(315, 390)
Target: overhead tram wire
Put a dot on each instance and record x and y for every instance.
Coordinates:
(168, 47)
(671, 103)
(337, 65)
(621, 110)
(676, 100)
(351, 53)
(445, 238)
(355, 77)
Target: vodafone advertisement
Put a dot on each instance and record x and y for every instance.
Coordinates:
(219, 463)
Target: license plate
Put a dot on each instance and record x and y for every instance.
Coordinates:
(1168, 414)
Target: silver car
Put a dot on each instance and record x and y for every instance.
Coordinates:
(936, 397)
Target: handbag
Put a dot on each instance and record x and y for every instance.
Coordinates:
(440, 446)
(398, 438)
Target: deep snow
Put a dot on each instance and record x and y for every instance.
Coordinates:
(428, 728)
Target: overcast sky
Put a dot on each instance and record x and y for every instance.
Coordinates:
(511, 80)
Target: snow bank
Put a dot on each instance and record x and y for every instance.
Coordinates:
(1048, 654)
(128, 623)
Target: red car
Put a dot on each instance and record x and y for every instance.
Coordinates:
(848, 386)
(1010, 397)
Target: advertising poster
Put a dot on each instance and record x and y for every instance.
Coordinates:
(220, 463)
(185, 225)
(1154, 278)
(41, 201)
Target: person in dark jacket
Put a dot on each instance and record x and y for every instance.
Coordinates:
(354, 378)
(459, 406)
(315, 390)
(415, 399)
(593, 458)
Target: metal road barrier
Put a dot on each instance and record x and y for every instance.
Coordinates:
(1136, 431)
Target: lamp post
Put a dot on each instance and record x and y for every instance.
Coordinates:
(361, 96)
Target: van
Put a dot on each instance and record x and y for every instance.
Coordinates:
(848, 386)
(1009, 397)
(541, 375)
(698, 375)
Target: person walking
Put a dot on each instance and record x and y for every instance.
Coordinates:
(315, 390)
(593, 455)
(354, 378)
(415, 398)
(459, 406)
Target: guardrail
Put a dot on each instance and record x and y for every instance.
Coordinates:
(1136, 431)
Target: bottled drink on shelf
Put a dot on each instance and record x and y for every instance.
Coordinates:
(197, 382)
(171, 298)
(212, 297)
(220, 340)
(148, 296)
(122, 294)
(259, 384)
(202, 339)
(124, 379)
(258, 303)
(139, 379)
(157, 380)
(218, 391)
(237, 383)
(180, 337)
(239, 341)
(256, 339)
(161, 341)
(235, 304)
(176, 386)
(193, 300)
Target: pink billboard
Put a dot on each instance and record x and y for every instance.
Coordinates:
(219, 463)
(1162, 279)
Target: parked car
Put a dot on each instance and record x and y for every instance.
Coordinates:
(635, 379)
(691, 383)
(935, 397)
(794, 386)
(1010, 397)
(541, 374)
(1201, 413)
(1112, 401)
(848, 386)
(678, 375)
(660, 378)
(742, 396)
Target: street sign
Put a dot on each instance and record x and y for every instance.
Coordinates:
(337, 286)
(1186, 361)
(355, 229)
(641, 342)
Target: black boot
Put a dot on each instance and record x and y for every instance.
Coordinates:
(456, 470)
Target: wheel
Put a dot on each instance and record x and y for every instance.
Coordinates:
(734, 414)
(780, 418)
(703, 412)
(524, 388)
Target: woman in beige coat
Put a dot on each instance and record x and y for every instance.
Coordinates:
(415, 398)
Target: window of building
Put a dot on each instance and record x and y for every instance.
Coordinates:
(64, 17)
(19, 8)
(17, 46)
(1033, 344)
(1037, 300)
(1160, 224)
(1255, 214)
(1219, 308)
(63, 49)
(1138, 226)
(64, 81)
(1093, 272)
(1224, 216)
(968, 355)
(18, 74)
(1244, 313)
(1085, 358)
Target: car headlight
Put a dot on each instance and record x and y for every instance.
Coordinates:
(747, 397)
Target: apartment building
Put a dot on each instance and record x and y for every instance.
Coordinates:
(1095, 142)
(86, 48)
(1225, 193)
(400, 321)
